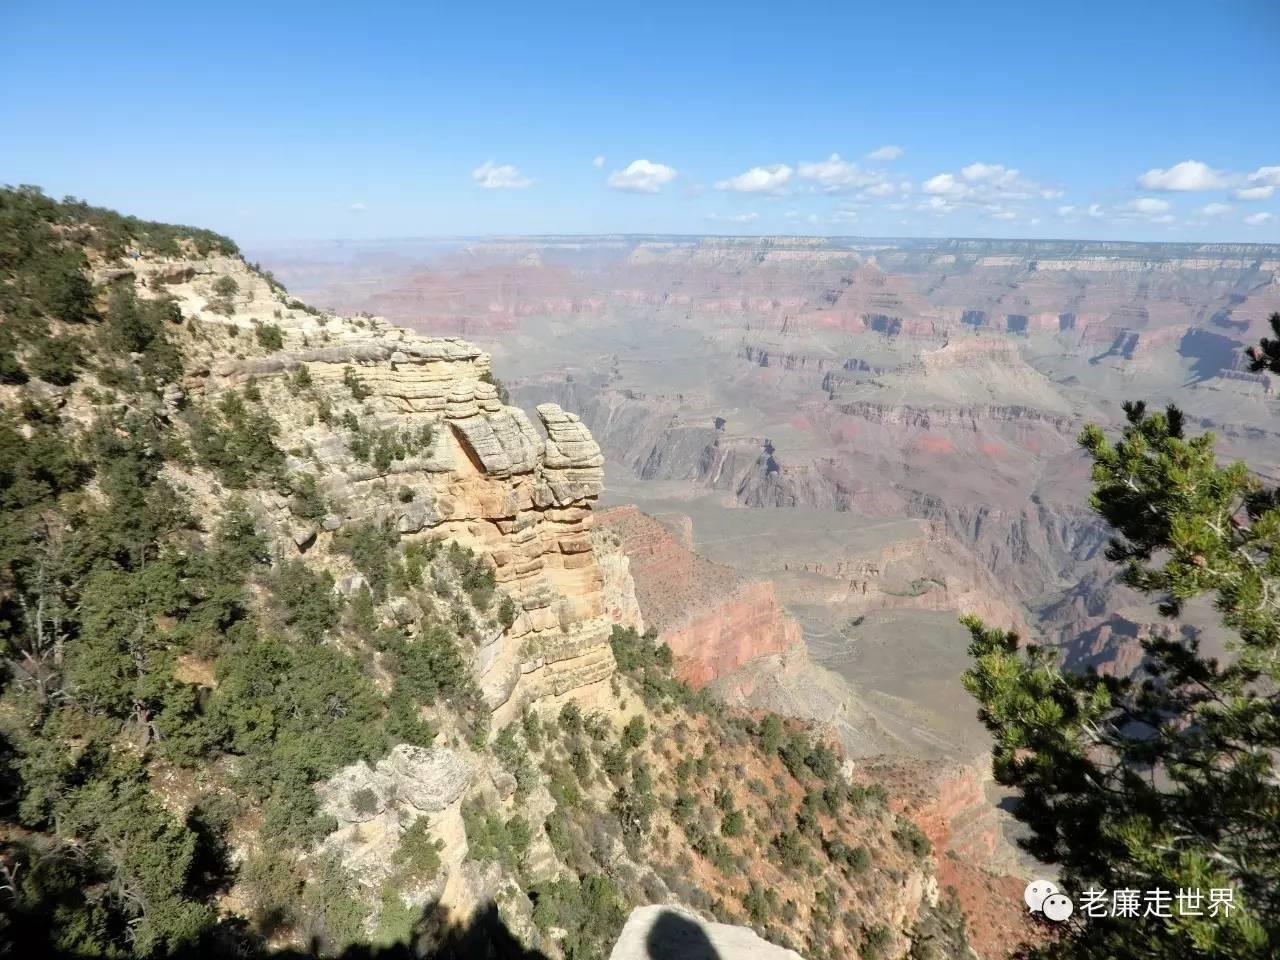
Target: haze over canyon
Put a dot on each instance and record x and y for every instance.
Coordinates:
(820, 453)
(862, 437)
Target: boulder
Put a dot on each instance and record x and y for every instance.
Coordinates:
(670, 933)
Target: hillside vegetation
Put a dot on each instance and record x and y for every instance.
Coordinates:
(204, 646)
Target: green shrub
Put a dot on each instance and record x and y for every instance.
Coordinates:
(418, 855)
(876, 941)
(308, 598)
(912, 839)
(133, 326)
(333, 899)
(571, 718)
(862, 797)
(359, 389)
(273, 888)
(308, 502)
(237, 442)
(771, 733)
(591, 912)
(633, 733)
(296, 713)
(506, 613)
(532, 727)
(515, 758)
(270, 337)
(56, 360)
(734, 823)
(491, 838)
(370, 546)
(430, 665)
(224, 288)
(11, 370)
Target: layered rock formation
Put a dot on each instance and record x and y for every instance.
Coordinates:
(352, 768)
(461, 465)
(951, 805)
(374, 805)
(714, 619)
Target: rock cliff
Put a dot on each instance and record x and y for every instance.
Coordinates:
(349, 653)
(487, 478)
(714, 619)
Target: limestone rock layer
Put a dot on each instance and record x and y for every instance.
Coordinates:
(465, 466)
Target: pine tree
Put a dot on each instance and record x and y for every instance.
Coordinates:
(1165, 780)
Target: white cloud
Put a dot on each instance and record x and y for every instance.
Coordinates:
(1257, 219)
(1265, 176)
(945, 185)
(881, 190)
(1147, 206)
(598, 162)
(936, 204)
(357, 208)
(759, 180)
(986, 183)
(1187, 175)
(888, 152)
(988, 173)
(1215, 209)
(835, 174)
(641, 176)
(493, 176)
(1259, 185)
(1094, 211)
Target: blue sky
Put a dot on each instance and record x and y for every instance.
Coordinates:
(274, 120)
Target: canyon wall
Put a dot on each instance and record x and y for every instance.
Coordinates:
(459, 464)
(713, 619)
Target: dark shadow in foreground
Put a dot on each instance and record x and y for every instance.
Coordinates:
(435, 937)
(674, 936)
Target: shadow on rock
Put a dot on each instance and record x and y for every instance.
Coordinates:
(674, 936)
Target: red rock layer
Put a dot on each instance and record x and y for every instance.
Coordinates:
(714, 619)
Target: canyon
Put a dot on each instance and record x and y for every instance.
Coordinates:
(576, 607)
(820, 452)
(388, 639)
(883, 430)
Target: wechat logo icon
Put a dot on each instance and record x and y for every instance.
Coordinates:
(1043, 897)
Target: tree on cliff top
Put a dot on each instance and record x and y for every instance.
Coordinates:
(1166, 780)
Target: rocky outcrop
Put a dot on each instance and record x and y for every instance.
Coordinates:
(670, 933)
(464, 466)
(714, 619)
(620, 603)
(373, 806)
(949, 803)
(715, 640)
